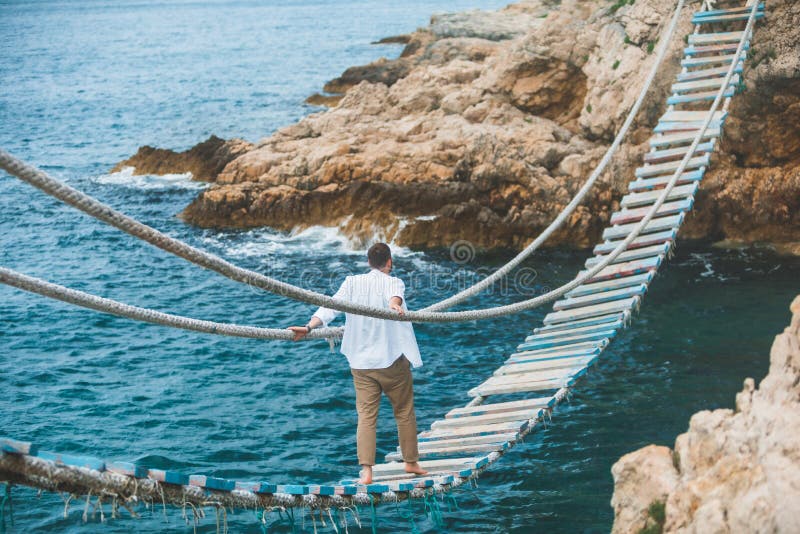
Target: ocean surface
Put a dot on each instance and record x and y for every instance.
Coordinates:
(84, 83)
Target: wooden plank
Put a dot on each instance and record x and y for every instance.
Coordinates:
(597, 298)
(664, 168)
(482, 430)
(220, 484)
(642, 241)
(684, 126)
(585, 289)
(555, 351)
(721, 59)
(729, 48)
(698, 97)
(658, 224)
(682, 138)
(168, 477)
(546, 357)
(621, 270)
(633, 200)
(500, 407)
(628, 255)
(256, 487)
(590, 311)
(630, 215)
(709, 73)
(691, 116)
(487, 419)
(566, 340)
(725, 18)
(525, 387)
(713, 38)
(292, 489)
(469, 440)
(429, 454)
(728, 11)
(72, 460)
(18, 447)
(126, 468)
(533, 376)
(659, 182)
(314, 489)
(557, 363)
(433, 466)
(575, 331)
(699, 85)
(661, 156)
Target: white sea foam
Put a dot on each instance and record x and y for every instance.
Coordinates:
(127, 178)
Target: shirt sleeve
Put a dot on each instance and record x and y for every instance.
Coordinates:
(326, 315)
(397, 289)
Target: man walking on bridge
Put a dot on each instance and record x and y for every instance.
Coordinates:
(381, 353)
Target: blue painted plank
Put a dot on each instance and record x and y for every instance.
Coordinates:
(322, 490)
(662, 127)
(735, 10)
(214, 483)
(547, 343)
(256, 487)
(346, 489)
(292, 489)
(74, 461)
(18, 447)
(127, 468)
(168, 477)
(592, 321)
(698, 97)
(725, 18)
(650, 184)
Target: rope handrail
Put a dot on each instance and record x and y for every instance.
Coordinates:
(107, 214)
(582, 192)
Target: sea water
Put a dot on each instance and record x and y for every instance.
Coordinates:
(84, 83)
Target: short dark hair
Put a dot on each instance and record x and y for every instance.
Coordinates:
(379, 255)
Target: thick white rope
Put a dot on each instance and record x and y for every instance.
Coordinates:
(666, 40)
(133, 227)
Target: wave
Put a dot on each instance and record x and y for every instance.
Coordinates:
(127, 178)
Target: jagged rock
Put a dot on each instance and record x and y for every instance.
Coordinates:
(488, 123)
(734, 471)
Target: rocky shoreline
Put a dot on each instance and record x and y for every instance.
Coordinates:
(733, 470)
(487, 124)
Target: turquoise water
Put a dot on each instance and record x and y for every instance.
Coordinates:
(85, 83)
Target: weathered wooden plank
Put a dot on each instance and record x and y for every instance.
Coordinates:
(533, 376)
(597, 298)
(556, 351)
(630, 215)
(729, 11)
(524, 387)
(256, 487)
(487, 419)
(292, 489)
(659, 182)
(589, 329)
(214, 483)
(500, 407)
(628, 255)
(433, 466)
(714, 49)
(314, 489)
(481, 430)
(548, 357)
(725, 18)
(590, 311)
(683, 126)
(168, 477)
(698, 97)
(586, 289)
(669, 154)
(721, 59)
(18, 447)
(714, 38)
(699, 85)
(448, 452)
(672, 166)
(557, 363)
(469, 440)
(620, 270)
(72, 460)
(658, 224)
(127, 468)
(682, 138)
(691, 116)
(566, 340)
(633, 200)
(643, 241)
(715, 72)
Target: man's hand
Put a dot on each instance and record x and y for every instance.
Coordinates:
(396, 304)
(299, 332)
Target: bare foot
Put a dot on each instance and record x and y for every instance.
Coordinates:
(366, 475)
(415, 468)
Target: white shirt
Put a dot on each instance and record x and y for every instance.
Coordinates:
(370, 343)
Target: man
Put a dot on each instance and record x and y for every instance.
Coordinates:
(380, 353)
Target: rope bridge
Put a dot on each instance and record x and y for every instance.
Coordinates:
(587, 312)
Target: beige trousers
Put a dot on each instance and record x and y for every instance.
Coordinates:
(396, 381)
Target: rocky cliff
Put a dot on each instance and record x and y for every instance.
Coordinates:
(733, 471)
(488, 122)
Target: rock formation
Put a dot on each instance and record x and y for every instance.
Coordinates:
(733, 471)
(488, 122)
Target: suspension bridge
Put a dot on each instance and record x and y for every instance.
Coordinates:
(521, 394)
